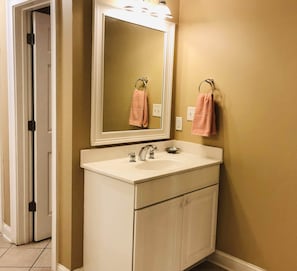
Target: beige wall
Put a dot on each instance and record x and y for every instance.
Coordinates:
(4, 160)
(73, 123)
(249, 48)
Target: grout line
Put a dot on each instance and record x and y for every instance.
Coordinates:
(7, 248)
(37, 258)
(42, 251)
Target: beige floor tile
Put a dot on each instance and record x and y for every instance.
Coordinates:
(15, 257)
(40, 269)
(13, 269)
(49, 244)
(4, 243)
(44, 260)
(2, 251)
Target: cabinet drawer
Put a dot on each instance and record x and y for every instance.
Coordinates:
(161, 189)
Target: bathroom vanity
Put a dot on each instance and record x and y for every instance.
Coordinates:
(159, 214)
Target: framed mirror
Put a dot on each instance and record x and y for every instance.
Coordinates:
(131, 76)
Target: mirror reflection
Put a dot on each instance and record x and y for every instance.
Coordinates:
(133, 76)
(129, 46)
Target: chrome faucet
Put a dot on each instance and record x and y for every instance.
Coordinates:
(143, 152)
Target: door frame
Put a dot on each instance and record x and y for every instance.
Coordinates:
(19, 84)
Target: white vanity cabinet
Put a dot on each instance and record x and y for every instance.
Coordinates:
(175, 234)
(154, 215)
(165, 224)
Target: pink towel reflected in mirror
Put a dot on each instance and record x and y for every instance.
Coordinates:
(139, 109)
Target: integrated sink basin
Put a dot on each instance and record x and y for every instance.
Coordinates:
(116, 164)
(159, 164)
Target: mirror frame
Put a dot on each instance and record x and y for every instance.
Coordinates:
(98, 137)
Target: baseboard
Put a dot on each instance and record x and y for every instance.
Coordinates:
(231, 263)
(60, 267)
(219, 258)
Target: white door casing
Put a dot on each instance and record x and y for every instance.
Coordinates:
(43, 133)
(18, 82)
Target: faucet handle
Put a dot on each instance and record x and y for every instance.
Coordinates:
(132, 157)
(152, 152)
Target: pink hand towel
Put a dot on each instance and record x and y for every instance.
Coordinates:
(139, 109)
(204, 123)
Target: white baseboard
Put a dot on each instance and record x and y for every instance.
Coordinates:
(219, 258)
(60, 267)
(231, 263)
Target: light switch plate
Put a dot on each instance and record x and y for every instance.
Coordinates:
(157, 110)
(178, 123)
(190, 112)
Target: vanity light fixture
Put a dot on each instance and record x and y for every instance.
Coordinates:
(154, 8)
(131, 5)
(161, 10)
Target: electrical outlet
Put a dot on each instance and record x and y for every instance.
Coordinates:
(157, 110)
(178, 123)
(190, 112)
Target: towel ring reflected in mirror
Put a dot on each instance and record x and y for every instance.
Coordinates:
(143, 80)
(210, 82)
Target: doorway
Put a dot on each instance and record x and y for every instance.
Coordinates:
(29, 154)
(40, 123)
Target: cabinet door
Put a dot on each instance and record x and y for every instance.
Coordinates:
(199, 225)
(157, 237)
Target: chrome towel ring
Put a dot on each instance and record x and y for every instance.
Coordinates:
(210, 82)
(144, 81)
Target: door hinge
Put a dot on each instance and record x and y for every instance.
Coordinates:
(32, 206)
(30, 39)
(32, 125)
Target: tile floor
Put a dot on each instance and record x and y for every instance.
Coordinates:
(37, 257)
(31, 257)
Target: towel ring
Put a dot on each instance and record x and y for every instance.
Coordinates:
(144, 81)
(210, 82)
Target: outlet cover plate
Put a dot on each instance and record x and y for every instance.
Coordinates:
(190, 113)
(157, 110)
(178, 123)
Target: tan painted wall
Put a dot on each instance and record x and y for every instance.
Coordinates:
(249, 48)
(73, 123)
(4, 160)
